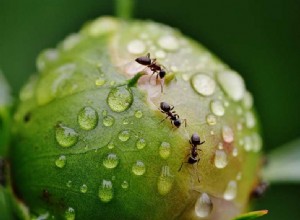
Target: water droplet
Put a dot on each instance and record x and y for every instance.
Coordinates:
(168, 42)
(203, 206)
(111, 145)
(141, 143)
(248, 145)
(221, 160)
(136, 47)
(165, 150)
(87, 118)
(69, 184)
(111, 161)
(125, 184)
(203, 84)
(65, 137)
(248, 100)
(83, 188)
(100, 82)
(71, 41)
(108, 121)
(211, 119)
(233, 84)
(106, 191)
(235, 152)
(70, 214)
(101, 26)
(227, 134)
(257, 142)
(217, 108)
(165, 181)
(120, 99)
(125, 121)
(138, 114)
(239, 176)
(61, 161)
(124, 135)
(139, 168)
(250, 120)
(46, 57)
(104, 112)
(231, 190)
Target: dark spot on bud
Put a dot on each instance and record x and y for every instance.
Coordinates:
(259, 190)
(27, 117)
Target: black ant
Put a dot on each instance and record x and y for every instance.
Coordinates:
(193, 155)
(259, 190)
(153, 66)
(167, 109)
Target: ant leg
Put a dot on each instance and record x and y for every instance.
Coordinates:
(202, 142)
(171, 108)
(183, 163)
(151, 77)
(163, 119)
(184, 122)
(162, 85)
(196, 169)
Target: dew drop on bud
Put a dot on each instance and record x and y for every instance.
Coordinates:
(124, 135)
(65, 137)
(227, 134)
(164, 150)
(106, 191)
(138, 114)
(168, 42)
(70, 214)
(211, 119)
(217, 108)
(108, 120)
(141, 143)
(87, 118)
(230, 191)
(203, 206)
(111, 161)
(221, 160)
(203, 84)
(125, 184)
(139, 168)
(120, 99)
(83, 188)
(165, 181)
(61, 161)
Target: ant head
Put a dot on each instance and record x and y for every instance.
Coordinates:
(162, 73)
(177, 123)
(144, 60)
(165, 106)
(195, 139)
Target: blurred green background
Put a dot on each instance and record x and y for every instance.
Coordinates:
(258, 38)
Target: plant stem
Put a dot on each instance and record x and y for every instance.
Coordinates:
(124, 8)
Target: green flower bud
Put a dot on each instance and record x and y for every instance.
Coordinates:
(92, 142)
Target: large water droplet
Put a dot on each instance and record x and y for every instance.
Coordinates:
(165, 181)
(203, 206)
(221, 160)
(106, 191)
(120, 99)
(165, 150)
(87, 118)
(233, 84)
(83, 188)
(211, 119)
(227, 134)
(108, 120)
(124, 135)
(70, 214)
(125, 184)
(231, 190)
(203, 84)
(65, 137)
(136, 47)
(139, 168)
(111, 161)
(141, 143)
(168, 42)
(61, 161)
(217, 107)
(138, 114)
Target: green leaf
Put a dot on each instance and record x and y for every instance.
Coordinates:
(251, 215)
(283, 163)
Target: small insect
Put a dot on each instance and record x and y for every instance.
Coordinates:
(259, 190)
(167, 109)
(193, 156)
(154, 67)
